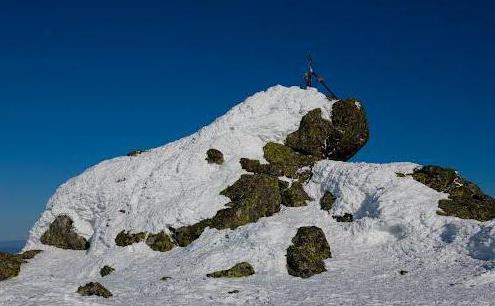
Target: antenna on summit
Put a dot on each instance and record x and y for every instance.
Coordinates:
(310, 74)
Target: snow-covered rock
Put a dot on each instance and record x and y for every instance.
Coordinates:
(396, 226)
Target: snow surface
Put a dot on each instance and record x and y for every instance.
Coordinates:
(449, 260)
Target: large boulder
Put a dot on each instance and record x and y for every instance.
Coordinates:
(338, 139)
(308, 250)
(61, 234)
(160, 242)
(466, 200)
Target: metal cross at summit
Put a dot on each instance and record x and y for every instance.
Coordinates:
(310, 74)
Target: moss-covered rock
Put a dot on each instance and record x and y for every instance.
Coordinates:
(127, 238)
(308, 250)
(252, 197)
(214, 156)
(241, 269)
(106, 270)
(10, 265)
(185, 235)
(61, 234)
(160, 242)
(344, 218)
(30, 254)
(295, 196)
(466, 200)
(255, 166)
(327, 200)
(338, 139)
(94, 288)
(350, 130)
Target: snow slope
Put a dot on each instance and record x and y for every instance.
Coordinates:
(449, 260)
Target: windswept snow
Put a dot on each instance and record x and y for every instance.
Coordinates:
(449, 260)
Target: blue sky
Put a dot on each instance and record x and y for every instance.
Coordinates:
(83, 81)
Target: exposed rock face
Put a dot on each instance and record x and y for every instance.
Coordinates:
(126, 238)
(295, 196)
(214, 156)
(339, 139)
(10, 264)
(466, 200)
(61, 234)
(327, 200)
(185, 235)
(160, 242)
(94, 288)
(241, 269)
(106, 270)
(308, 250)
(135, 153)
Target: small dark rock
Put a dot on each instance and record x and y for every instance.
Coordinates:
(344, 218)
(241, 269)
(61, 234)
(308, 250)
(403, 272)
(400, 174)
(106, 270)
(327, 200)
(165, 278)
(295, 196)
(135, 153)
(30, 254)
(214, 156)
(122, 211)
(233, 292)
(94, 288)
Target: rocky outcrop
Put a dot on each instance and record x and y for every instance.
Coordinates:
(214, 156)
(127, 238)
(338, 139)
(466, 200)
(10, 264)
(308, 250)
(106, 270)
(135, 153)
(347, 217)
(61, 234)
(241, 269)
(160, 242)
(94, 288)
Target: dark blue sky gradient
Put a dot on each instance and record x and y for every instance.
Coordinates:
(82, 81)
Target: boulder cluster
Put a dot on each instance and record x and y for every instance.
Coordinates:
(10, 264)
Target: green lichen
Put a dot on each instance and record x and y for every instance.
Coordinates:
(466, 200)
(94, 288)
(295, 196)
(106, 270)
(308, 250)
(327, 200)
(30, 254)
(214, 156)
(185, 235)
(61, 234)
(127, 238)
(241, 269)
(160, 242)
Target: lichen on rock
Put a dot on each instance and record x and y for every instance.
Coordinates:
(61, 234)
(327, 200)
(214, 156)
(308, 250)
(241, 269)
(94, 288)
(295, 196)
(127, 238)
(160, 242)
(185, 235)
(106, 270)
(466, 200)
(10, 265)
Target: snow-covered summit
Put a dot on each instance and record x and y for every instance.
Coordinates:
(396, 250)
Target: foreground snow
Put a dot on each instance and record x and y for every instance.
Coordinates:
(449, 260)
